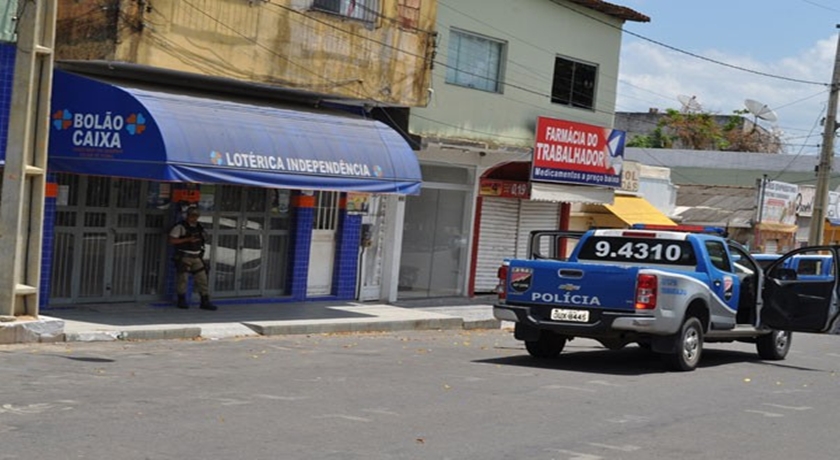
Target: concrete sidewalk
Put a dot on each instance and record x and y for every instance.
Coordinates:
(160, 321)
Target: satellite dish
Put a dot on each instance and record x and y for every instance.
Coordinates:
(760, 110)
(689, 103)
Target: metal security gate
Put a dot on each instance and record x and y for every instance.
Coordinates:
(535, 215)
(496, 240)
(249, 240)
(109, 245)
(504, 230)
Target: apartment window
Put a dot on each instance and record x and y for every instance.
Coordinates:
(574, 83)
(409, 13)
(363, 10)
(474, 61)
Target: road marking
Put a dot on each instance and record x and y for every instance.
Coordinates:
(283, 398)
(232, 402)
(790, 391)
(605, 383)
(629, 419)
(30, 409)
(789, 407)
(466, 378)
(764, 413)
(576, 455)
(567, 387)
(627, 448)
(345, 417)
(381, 412)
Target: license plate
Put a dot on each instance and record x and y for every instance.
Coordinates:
(577, 316)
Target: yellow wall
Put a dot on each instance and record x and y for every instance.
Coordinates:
(276, 42)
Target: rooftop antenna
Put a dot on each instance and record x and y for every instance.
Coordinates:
(689, 104)
(760, 111)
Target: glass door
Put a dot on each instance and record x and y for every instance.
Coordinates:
(249, 240)
(434, 244)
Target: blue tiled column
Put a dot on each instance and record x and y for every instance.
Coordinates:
(304, 206)
(171, 282)
(48, 244)
(347, 255)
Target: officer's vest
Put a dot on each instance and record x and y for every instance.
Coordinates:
(193, 247)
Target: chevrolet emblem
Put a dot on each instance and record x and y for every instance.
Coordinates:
(569, 287)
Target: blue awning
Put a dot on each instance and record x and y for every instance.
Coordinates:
(107, 129)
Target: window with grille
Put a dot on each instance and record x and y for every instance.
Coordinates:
(574, 83)
(363, 10)
(326, 210)
(474, 61)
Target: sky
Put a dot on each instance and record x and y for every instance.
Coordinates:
(793, 39)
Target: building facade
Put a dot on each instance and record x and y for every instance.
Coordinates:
(284, 121)
(501, 66)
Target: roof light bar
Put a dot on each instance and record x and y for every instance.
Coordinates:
(682, 228)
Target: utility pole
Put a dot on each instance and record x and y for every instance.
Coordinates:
(817, 229)
(24, 175)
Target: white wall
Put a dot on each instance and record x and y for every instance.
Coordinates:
(536, 31)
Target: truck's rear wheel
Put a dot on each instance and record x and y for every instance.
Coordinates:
(773, 346)
(549, 345)
(689, 346)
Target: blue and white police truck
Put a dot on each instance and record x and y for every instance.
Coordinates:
(667, 289)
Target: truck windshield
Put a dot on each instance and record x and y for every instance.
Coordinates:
(638, 251)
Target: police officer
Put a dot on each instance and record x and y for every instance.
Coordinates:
(188, 238)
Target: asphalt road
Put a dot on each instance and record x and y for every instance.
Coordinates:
(413, 395)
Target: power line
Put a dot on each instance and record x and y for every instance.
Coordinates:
(695, 55)
(816, 123)
(333, 83)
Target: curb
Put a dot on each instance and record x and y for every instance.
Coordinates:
(371, 326)
(52, 330)
(43, 330)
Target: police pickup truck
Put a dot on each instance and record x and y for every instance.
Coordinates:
(667, 289)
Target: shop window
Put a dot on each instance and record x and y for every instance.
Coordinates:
(229, 198)
(128, 193)
(574, 83)
(98, 192)
(363, 10)
(474, 61)
(256, 199)
(68, 189)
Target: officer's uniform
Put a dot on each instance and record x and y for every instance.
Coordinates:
(188, 261)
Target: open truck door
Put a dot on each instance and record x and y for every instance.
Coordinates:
(801, 303)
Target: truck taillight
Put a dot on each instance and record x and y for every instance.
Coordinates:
(501, 288)
(646, 292)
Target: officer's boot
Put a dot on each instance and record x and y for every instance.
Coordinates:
(205, 303)
(182, 301)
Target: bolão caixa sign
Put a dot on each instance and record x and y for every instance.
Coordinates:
(578, 153)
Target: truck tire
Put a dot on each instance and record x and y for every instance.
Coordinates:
(689, 346)
(773, 346)
(549, 345)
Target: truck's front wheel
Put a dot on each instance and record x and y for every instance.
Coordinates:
(773, 346)
(549, 345)
(689, 346)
